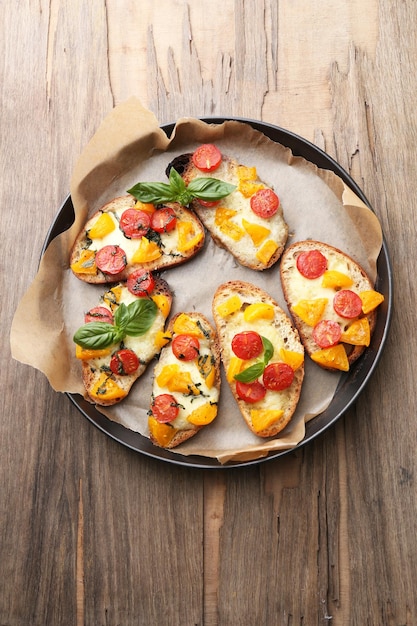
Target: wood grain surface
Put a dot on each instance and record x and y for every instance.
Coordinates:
(92, 533)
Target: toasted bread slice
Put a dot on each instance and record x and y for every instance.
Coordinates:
(239, 307)
(256, 242)
(187, 383)
(103, 386)
(154, 250)
(311, 302)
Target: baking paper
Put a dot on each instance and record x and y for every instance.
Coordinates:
(129, 147)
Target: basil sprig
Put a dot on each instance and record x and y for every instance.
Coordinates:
(257, 369)
(134, 319)
(209, 189)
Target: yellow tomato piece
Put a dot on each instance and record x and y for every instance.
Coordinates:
(106, 389)
(102, 227)
(291, 358)
(223, 214)
(162, 433)
(163, 303)
(207, 369)
(370, 300)
(259, 310)
(248, 188)
(256, 232)
(229, 306)
(184, 325)
(162, 338)
(336, 280)
(86, 263)
(85, 354)
(235, 366)
(265, 253)
(183, 383)
(358, 333)
(232, 230)
(203, 415)
(246, 173)
(334, 357)
(210, 378)
(191, 243)
(146, 252)
(247, 177)
(264, 418)
(147, 207)
(174, 379)
(167, 372)
(112, 297)
(310, 311)
(188, 237)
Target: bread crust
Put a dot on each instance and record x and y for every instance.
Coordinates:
(183, 164)
(362, 282)
(249, 294)
(82, 242)
(90, 375)
(184, 434)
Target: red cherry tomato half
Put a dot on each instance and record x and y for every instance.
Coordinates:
(207, 157)
(247, 345)
(185, 347)
(163, 220)
(278, 376)
(311, 264)
(208, 203)
(124, 362)
(141, 282)
(347, 304)
(327, 333)
(111, 260)
(165, 408)
(250, 392)
(134, 223)
(99, 314)
(264, 203)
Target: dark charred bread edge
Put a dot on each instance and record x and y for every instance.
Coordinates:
(183, 435)
(244, 289)
(162, 263)
(126, 382)
(359, 276)
(179, 163)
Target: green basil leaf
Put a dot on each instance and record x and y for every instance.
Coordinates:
(121, 316)
(185, 198)
(210, 188)
(176, 182)
(96, 335)
(268, 349)
(142, 314)
(251, 373)
(156, 193)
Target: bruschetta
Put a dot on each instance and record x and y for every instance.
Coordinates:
(121, 335)
(332, 301)
(186, 383)
(125, 235)
(262, 356)
(248, 222)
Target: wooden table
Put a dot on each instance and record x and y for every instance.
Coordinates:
(94, 533)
